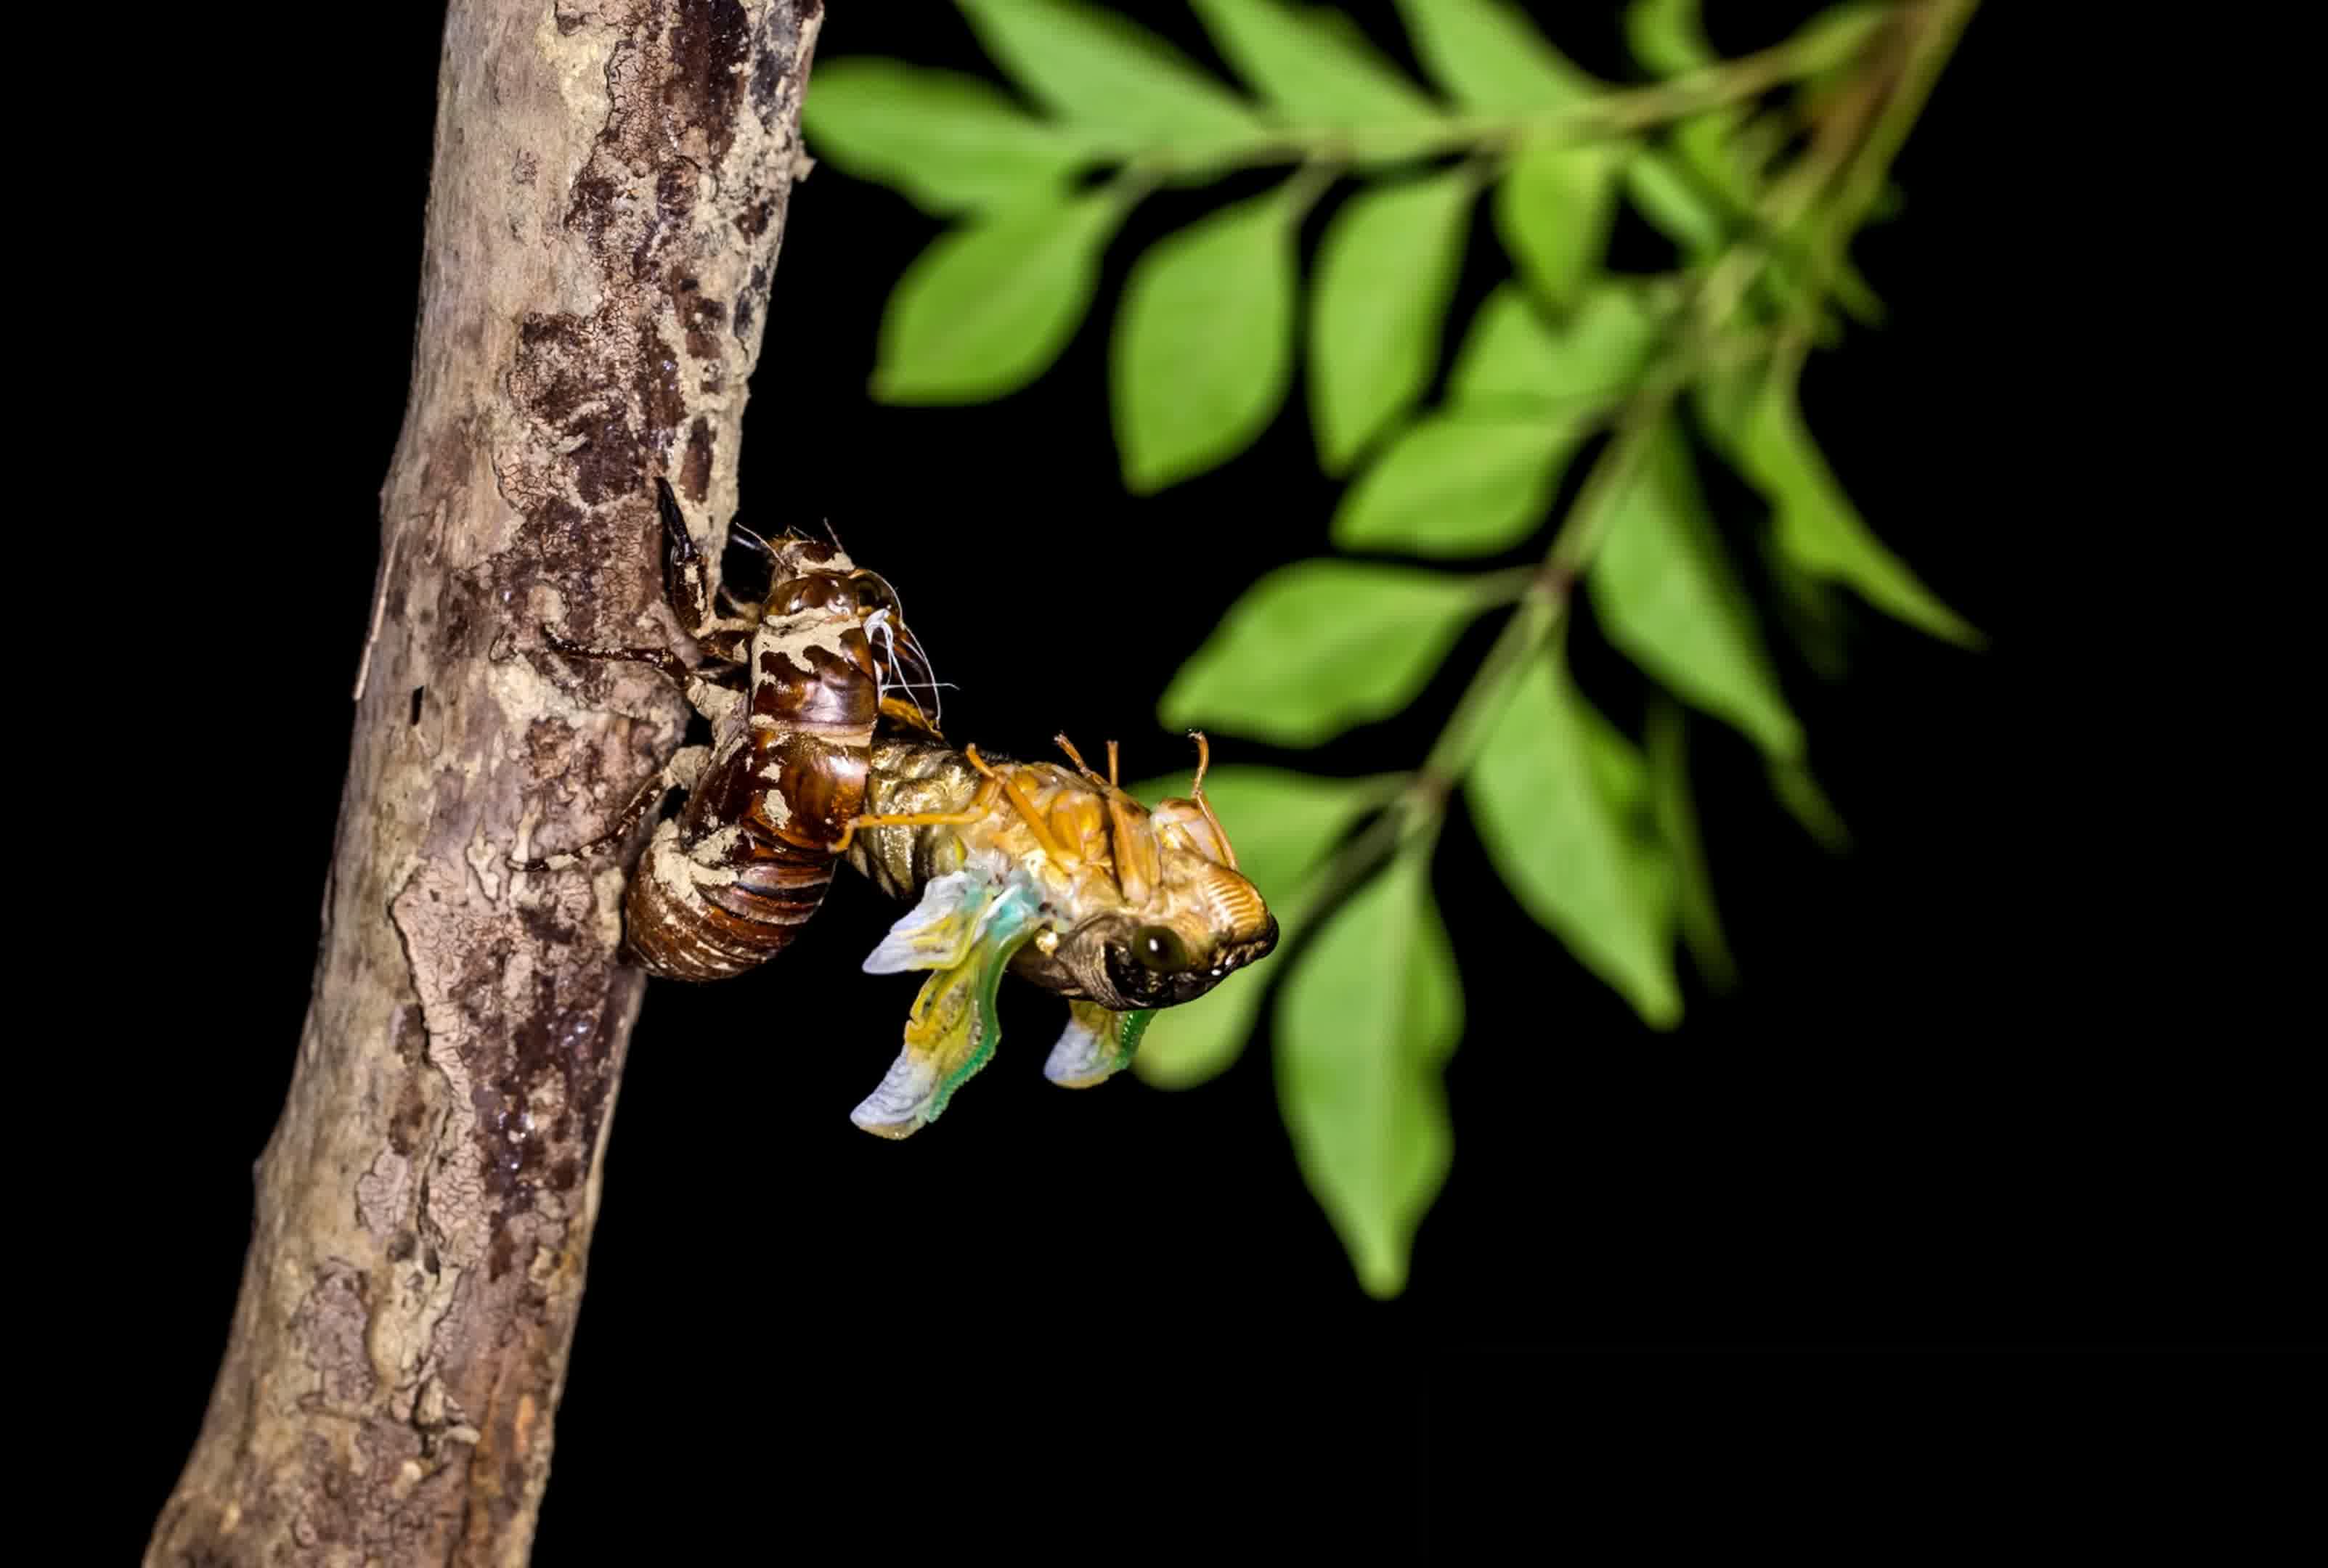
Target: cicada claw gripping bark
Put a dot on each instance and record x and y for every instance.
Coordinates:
(825, 745)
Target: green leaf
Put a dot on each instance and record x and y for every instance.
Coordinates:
(1385, 268)
(1676, 818)
(1281, 823)
(1459, 484)
(1364, 1025)
(1311, 65)
(1807, 804)
(1204, 342)
(1819, 528)
(1665, 595)
(1553, 208)
(1710, 147)
(1105, 73)
(988, 305)
(1667, 36)
(1512, 354)
(1490, 57)
(1573, 854)
(948, 141)
(1838, 35)
(1619, 770)
(1318, 645)
(1663, 194)
(1810, 609)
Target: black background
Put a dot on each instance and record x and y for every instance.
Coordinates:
(1958, 1101)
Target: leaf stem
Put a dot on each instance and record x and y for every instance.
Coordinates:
(1929, 33)
(1613, 116)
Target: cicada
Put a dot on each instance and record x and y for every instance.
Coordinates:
(1059, 874)
(823, 748)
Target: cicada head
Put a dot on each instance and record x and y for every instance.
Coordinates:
(1186, 918)
(1176, 950)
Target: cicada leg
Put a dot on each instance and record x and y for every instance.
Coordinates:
(1076, 757)
(680, 773)
(661, 658)
(1044, 839)
(981, 804)
(1136, 860)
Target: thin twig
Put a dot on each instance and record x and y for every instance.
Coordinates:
(1606, 116)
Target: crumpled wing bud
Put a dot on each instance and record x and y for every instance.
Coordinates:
(953, 1030)
(1096, 1046)
(937, 933)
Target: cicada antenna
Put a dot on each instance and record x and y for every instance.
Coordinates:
(1037, 827)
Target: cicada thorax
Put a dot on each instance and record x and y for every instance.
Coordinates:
(1115, 877)
(725, 886)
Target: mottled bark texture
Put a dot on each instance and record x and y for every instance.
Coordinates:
(609, 188)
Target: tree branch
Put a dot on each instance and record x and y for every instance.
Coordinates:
(609, 188)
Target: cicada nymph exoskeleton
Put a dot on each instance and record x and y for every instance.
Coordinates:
(825, 741)
(793, 687)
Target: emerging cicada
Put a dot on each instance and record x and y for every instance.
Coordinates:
(822, 747)
(1057, 874)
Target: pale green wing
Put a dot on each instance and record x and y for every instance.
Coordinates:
(1096, 1046)
(953, 1029)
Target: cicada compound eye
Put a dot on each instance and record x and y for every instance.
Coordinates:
(1159, 949)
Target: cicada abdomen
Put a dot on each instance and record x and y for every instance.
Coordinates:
(793, 687)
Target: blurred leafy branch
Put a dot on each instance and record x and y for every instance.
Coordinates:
(1759, 170)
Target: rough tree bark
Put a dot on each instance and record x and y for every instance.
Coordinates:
(609, 187)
